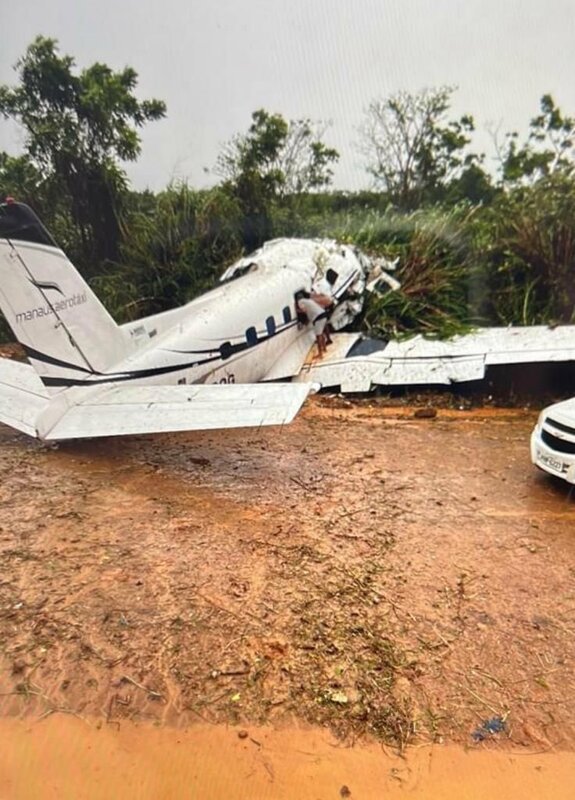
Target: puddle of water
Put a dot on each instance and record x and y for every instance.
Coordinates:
(66, 758)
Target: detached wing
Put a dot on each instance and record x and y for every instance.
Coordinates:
(22, 396)
(121, 410)
(358, 366)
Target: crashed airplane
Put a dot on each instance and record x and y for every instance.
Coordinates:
(215, 362)
(212, 363)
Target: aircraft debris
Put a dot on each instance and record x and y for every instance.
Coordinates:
(214, 362)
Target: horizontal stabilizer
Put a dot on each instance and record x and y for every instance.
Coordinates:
(122, 410)
(22, 396)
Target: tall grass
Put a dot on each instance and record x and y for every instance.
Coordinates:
(436, 266)
(530, 253)
(511, 262)
(172, 251)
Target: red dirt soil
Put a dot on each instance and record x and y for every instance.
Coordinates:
(382, 575)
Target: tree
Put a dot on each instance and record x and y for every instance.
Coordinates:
(549, 147)
(413, 152)
(20, 178)
(276, 160)
(78, 126)
(290, 157)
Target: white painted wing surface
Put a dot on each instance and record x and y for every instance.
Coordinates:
(22, 396)
(121, 410)
(423, 361)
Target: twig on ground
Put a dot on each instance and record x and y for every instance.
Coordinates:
(488, 675)
(233, 641)
(151, 692)
(228, 610)
(61, 710)
(482, 700)
(306, 486)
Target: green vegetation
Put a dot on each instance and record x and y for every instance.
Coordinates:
(473, 247)
(77, 127)
(413, 152)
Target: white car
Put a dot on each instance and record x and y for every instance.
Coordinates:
(553, 440)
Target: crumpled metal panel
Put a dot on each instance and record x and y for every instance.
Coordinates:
(421, 361)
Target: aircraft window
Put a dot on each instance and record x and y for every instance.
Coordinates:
(287, 314)
(271, 325)
(226, 349)
(252, 336)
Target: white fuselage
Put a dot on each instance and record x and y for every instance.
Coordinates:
(88, 376)
(235, 333)
(244, 331)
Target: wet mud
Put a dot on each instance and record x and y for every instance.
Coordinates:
(386, 576)
(68, 759)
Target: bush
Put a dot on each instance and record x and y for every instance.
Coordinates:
(529, 237)
(436, 265)
(173, 251)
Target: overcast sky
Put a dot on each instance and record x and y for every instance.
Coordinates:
(216, 61)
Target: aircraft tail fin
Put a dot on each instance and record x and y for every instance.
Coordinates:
(52, 311)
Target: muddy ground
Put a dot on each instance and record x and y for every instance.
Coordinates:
(366, 568)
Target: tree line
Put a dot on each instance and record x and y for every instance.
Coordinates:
(475, 246)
